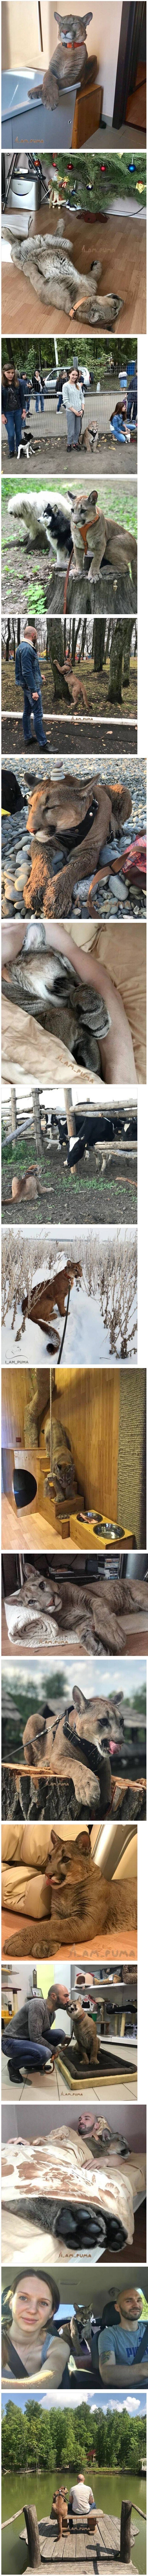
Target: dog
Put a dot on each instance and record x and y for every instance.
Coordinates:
(70, 61)
(48, 262)
(41, 524)
(69, 826)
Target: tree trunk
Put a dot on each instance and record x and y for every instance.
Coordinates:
(37, 1122)
(83, 641)
(13, 1115)
(30, 2517)
(99, 642)
(125, 2533)
(55, 639)
(116, 660)
(126, 651)
(75, 632)
(107, 647)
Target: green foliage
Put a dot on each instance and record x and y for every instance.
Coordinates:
(89, 185)
(21, 1701)
(26, 356)
(63, 2438)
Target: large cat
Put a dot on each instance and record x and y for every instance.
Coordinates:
(47, 261)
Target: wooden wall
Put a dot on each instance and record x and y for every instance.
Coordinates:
(88, 1406)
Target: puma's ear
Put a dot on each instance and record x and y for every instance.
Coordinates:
(55, 1838)
(78, 1700)
(85, 1844)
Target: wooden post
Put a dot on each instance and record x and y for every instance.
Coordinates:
(71, 1123)
(30, 2517)
(125, 2533)
(37, 1121)
(13, 1115)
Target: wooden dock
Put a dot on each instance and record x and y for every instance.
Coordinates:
(82, 2546)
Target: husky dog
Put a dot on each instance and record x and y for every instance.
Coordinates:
(42, 523)
(70, 61)
(48, 262)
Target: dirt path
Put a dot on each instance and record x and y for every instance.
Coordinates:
(102, 734)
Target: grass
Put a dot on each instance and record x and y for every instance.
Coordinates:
(110, 497)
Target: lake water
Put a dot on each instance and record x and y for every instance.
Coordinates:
(108, 2492)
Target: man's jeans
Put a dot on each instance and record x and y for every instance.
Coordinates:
(73, 428)
(30, 2052)
(33, 707)
(39, 401)
(14, 430)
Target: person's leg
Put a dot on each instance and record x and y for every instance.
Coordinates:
(37, 398)
(38, 722)
(10, 432)
(18, 426)
(42, 402)
(27, 718)
(77, 428)
(70, 428)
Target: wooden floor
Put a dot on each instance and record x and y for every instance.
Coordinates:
(120, 246)
(79, 2546)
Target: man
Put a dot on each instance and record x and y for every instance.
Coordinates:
(125, 2341)
(73, 400)
(28, 678)
(81, 2500)
(28, 2038)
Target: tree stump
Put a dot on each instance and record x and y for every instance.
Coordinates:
(111, 594)
(30, 2517)
(125, 2533)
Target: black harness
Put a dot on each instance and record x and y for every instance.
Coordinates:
(72, 839)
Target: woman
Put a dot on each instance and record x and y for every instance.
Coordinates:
(32, 2347)
(73, 400)
(14, 398)
(37, 383)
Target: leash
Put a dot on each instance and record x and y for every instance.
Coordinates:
(88, 523)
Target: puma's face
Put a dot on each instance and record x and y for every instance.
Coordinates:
(84, 508)
(48, 806)
(68, 1861)
(87, 1717)
(72, 31)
